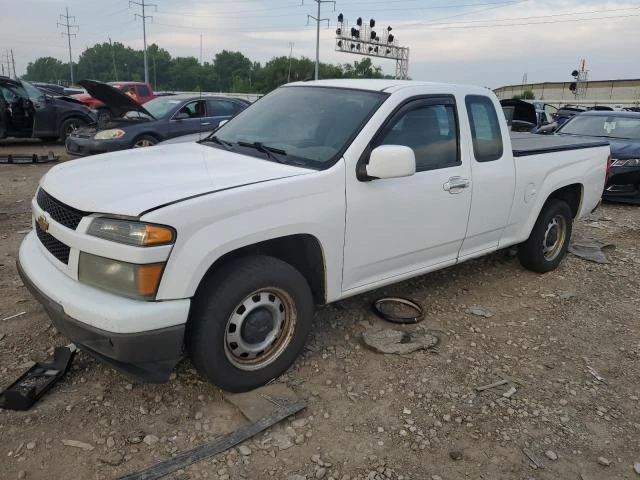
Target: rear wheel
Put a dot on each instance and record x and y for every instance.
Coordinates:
(144, 141)
(249, 322)
(549, 240)
(68, 126)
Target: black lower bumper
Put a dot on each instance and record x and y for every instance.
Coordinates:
(147, 356)
(89, 146)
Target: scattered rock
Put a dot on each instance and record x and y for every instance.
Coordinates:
(604, 461)
(31, 445)
(296, 477)
(135, 438)
(436, 477)
(244, 450)
(22, 474)
(110, 442)
(455, 455)
(150, 439)
(77, 444)
(112, 458)
(406, 411)
(480, 312)
(636, 467)
(396, 341)
(321, 472)
(551, 455)
(198, 415)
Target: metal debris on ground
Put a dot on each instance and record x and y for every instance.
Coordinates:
(536, 463)
(398, 310)
(480, 312)
(35, 382)
(87, 447)
(13, 316)
(399, 342)
(590, 249)
(183, 460)
(25, 159)
(491, 385)
(509, 393)
(595, 374)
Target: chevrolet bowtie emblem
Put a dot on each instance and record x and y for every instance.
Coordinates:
(42, 223)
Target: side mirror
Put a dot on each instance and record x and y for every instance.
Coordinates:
(181, 116)
(391, 161)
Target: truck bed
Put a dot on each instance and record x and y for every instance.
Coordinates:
(524, 144)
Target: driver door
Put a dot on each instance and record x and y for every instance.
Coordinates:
(188, 119)
(399, 227)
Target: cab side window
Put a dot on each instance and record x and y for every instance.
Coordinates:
(431, 131)
(194, 109)
(485, 128)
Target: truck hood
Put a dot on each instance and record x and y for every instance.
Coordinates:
(135, 181)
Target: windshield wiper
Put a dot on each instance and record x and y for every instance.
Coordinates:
(215, 139)
(268, 151)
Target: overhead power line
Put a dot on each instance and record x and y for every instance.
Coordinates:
(68, 25)
(144, 17)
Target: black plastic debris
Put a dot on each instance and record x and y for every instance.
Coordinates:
(34, 158)
(398, 310)
(38, 380)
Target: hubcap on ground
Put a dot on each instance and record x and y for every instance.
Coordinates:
(260, 328)
(554, 238)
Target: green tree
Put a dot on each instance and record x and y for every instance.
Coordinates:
(229, 68)
(362, 69)
(47, 69)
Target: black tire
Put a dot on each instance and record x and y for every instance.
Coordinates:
(144, 141)
(540, 252)
(68, 126)
(220, 300)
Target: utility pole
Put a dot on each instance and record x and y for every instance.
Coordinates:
(291, 44)
(6, 57)
(318, 20)
(13, 62)
(69, 26)
(200, 49)
(113, 56)
(144, 17)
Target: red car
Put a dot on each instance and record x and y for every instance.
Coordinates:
(139, 91)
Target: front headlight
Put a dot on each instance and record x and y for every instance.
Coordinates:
(127, 279)
(630, 162)
(131, 232)
(109, 134)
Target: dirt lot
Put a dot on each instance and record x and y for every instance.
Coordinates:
(369, 416)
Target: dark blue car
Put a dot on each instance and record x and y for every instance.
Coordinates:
(143, 126)
(622, 130)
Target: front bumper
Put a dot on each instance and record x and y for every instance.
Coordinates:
(623, 185)
(90, 146)
(147, 355)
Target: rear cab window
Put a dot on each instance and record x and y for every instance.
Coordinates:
(143, 90)
(485, 128)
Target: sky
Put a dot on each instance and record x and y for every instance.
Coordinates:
(483, 42)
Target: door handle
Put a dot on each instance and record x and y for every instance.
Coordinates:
(204, 124)
(456, 185)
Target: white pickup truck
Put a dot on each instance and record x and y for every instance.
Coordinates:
(319, 191)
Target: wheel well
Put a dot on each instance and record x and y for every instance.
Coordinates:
(301, 251)
(147, 134)
(572, 195)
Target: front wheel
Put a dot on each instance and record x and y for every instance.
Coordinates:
(249, 322)
(549, 240)
(69, 126)
(144, 141)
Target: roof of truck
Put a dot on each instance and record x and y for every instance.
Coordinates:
(379, 84)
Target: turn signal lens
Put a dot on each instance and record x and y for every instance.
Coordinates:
(155, 235)
(148, 278)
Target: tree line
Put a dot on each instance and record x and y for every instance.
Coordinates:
(227, 72)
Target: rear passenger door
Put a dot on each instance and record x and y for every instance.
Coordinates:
(401, 226)
(494, 174)
(218, 110)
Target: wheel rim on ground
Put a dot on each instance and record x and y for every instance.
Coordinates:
(144, 142)
(554, 238)
(260, 328)
(71, 127)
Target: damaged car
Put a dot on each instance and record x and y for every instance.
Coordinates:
(28, 112)
(144, 126)
(622, 130)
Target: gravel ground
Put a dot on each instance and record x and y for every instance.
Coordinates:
(370, 416)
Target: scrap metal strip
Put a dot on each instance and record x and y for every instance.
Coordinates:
(221, 444)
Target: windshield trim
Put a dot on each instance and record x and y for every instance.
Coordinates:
(310, 163)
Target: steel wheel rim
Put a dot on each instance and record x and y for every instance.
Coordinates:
(248, 355)
(143, 143)
(554, 238)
